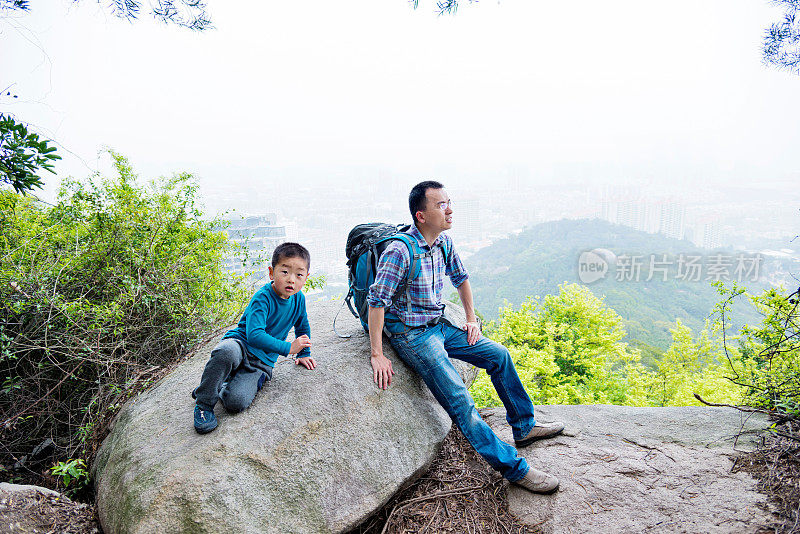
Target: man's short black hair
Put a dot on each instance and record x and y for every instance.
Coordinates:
(416, 199)
(291, 250)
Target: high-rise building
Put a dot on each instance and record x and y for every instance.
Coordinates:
(712, 235)
(672, 220)
(706, 233)
(467, 220)
(257, 236)
(631, 210)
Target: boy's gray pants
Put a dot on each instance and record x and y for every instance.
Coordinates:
(230, 362)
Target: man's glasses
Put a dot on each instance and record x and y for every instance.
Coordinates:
(444, 205)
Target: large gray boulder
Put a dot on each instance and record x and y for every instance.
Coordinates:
(625, 469)
(317, 451)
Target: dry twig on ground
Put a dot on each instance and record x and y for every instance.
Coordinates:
(33, 511)
(776, 465)
(459, 494)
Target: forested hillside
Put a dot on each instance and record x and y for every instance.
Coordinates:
(540, 258)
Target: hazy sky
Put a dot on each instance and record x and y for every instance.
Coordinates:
(617, 90)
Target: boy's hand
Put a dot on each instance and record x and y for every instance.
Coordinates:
(299, 344)
(308, 362)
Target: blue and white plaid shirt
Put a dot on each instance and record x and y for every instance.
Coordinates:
(425, 291)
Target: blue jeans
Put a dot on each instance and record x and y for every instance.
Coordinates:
(426, 349)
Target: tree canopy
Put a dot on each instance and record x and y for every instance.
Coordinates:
(781, 44)
(189, 14)
(782, 39)
(23, 154)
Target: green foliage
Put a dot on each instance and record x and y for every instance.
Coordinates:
(98, 294)
(316, 281)
(691, 366)
(649, 355)
(568, 349)
(73, 473)
(23, 155)
(767, 362)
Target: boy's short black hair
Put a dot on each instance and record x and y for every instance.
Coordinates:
(291, 250)
(416, 199)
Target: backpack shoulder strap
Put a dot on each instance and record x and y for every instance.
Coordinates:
(413, 261)
(445, 245)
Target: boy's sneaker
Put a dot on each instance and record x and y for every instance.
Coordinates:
(540, 431)
(538, 482)
(204, 420)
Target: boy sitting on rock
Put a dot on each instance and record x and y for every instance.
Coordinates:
(245, 357)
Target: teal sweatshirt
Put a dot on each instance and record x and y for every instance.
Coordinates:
(266, 322)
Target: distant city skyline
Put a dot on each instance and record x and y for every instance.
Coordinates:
(325, 114)
(497, 97)
(321, 221)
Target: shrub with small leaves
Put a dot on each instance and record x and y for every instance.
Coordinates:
(73, 473)
(98, 294)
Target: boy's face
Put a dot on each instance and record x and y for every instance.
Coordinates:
(288, 276)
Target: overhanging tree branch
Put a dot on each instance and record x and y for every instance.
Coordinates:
(22, 155)
(781, 47)
(189, 14)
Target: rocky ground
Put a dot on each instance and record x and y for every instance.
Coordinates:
(460, 493)
(33, 511)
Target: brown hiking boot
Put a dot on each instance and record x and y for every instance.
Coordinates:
(541, 431)
(538, 482)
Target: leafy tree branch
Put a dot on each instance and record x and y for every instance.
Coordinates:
(189, 14)
(781, 46)
(23, 155)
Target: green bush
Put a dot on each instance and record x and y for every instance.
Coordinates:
(99, 293)
(568, 350)
(766, 363)
(691, 366)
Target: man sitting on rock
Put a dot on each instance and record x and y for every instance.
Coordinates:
(424, 339)
(245, 357)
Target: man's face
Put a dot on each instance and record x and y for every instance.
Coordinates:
(438, 213)
(288, 276)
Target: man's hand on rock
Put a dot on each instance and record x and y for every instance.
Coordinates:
(473, 332)
(308, 362)
(381, 370)
(299, 344)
